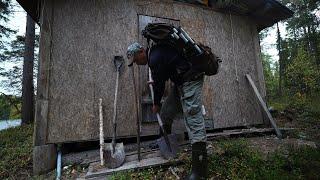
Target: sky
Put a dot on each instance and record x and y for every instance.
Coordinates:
(18, 22)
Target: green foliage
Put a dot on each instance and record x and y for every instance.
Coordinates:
(271, 75)
(234, 159)
(5, 11)
(4, 108)
(13, 76)
(302, 79)
(302, 74)
(298, 74)
(10, 107)
(147, 174)
(238, 161)
(302, 113)
(15, 113)
(16, 152)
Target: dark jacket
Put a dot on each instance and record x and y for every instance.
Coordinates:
(166, 63)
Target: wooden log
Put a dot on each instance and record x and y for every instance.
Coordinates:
(132, 162)
(264, 106)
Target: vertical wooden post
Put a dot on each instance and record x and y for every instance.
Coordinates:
(44, 155)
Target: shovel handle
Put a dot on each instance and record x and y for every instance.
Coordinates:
(115, 111)
(158, 115)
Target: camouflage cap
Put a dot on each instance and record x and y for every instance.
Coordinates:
(132, 49)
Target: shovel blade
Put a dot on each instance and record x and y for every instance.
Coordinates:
(114, 159)
(166, 151)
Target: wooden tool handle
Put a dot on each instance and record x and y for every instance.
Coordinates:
(101, 132)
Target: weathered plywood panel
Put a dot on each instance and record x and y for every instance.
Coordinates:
(246, 63)
(222, 87)
(87, 35)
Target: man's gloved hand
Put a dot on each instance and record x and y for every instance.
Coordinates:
(156, 108)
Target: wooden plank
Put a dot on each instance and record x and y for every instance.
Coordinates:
(41, 111)
(264, 106)
(83, 69)
(239, 132)
(40, 133)
(151, 160)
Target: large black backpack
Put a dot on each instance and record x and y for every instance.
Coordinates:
(200, 56)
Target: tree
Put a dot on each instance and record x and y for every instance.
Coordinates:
(4, 108)
(15, 56)
(281, 68)
(271, 76)
(303, 27)
(27, 82)
(302, 75)
(299, 52)
(5, 31)
(13, 75)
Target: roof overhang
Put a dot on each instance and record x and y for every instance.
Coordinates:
(265, 13)
(32, 7)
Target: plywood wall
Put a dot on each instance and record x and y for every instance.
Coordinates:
(86, 36)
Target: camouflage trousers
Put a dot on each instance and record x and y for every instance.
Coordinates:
(186, 98)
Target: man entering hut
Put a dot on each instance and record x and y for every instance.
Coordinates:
(167, 63)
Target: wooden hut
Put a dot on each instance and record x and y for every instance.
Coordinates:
(79, 40)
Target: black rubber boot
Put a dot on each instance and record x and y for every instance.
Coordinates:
(199, 161)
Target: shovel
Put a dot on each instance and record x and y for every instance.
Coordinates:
(114, 154)
(168, 145)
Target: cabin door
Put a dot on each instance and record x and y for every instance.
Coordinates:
(146, 102)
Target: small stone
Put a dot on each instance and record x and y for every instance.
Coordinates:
(66, 167)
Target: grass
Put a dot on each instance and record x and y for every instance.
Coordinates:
(16, 152)
(14, 114)
(306, 116)
(279, 104)
(234, 159)
(238, 161)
